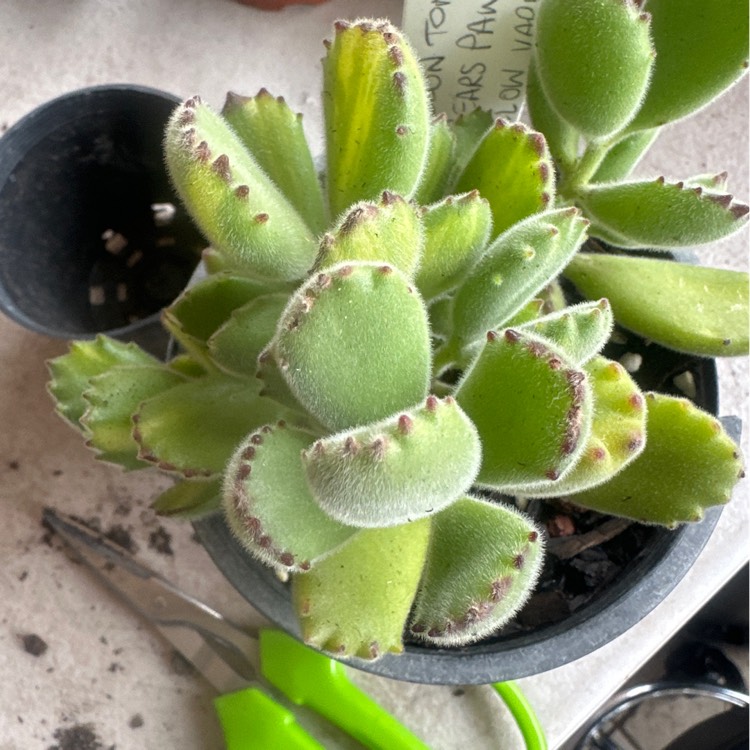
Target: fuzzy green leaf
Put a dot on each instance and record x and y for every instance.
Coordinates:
(658, 214)
(236, 345)
(624, 155)
(354, 345)
(205, 306)
(532, 409)
(562, 139)
(113, 397)
(684, 307)
(689, 464)
(189, 499)
(580, 331)
(388, 231)
(355, 602)
(618, 431)
(512, 169)
(433, 184)
(514, 268)
(71, 372)
(482, 563)
(397, 470)
(456, 233)
(701, 49)
(269, 506)
(193, 429)
(469, 130)
(251, 226)
(377, 114)
(273, 134)
(593, 59)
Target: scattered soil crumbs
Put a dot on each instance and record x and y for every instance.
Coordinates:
(136, 721)
(121, 536)
(33, 644)
(79, 737)
(161, 541)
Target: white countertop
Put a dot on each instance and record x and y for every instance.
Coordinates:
(104, 674)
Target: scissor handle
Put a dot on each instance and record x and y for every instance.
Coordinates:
(251, 720)
(311, 679)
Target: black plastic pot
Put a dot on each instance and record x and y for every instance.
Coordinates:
(659, 564)
(79, 177)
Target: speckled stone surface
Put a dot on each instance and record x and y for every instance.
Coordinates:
(104, 679)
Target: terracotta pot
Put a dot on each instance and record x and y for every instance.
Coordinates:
(278, 4)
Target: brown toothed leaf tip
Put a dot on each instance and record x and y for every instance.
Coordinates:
(249, 453)
(698, 190)
(405, 424)
(661, 180)
(417, 627)
(327, 43)
(679, 185)
(244, 472)
(385, 270)
(402, 130)
(518, 561)
(367, 27)
(645, 17)
(517, 127)
(388, 198)
(472, 195)
(500, 123)
(187, 140)
(545, 199)
(720, 178)
(533, 536)
(431, 403)
(511, 336)
(357, 216)
(538, 143)
(202, 152)
(166, 466)
(378, 448)
(739, 210)
(192, 102)
(351, 446)
(234, 100)
(635, 441)
(323, 280)
(260, 218)
(187, 117)
(242, 192)
(286, 558)
(396, 55)
(492, 336)
(256, 439)
(221, 167)
(341, 25)
(544, 172)
(636, 401)
(345, 271)
(598, 454)
(554, 363)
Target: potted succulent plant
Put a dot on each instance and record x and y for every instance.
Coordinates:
(370, 372)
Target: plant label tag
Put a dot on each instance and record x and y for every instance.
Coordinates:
(475, 53)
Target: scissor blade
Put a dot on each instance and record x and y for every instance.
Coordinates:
(225, 654)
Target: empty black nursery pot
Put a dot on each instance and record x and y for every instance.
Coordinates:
(92, 236)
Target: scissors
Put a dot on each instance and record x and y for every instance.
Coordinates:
(267, 682)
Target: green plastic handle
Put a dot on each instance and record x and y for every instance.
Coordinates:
(523, 713)
(311, 679)
(251, 720)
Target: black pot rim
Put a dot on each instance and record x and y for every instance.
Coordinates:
(22, 136)
(518, 656)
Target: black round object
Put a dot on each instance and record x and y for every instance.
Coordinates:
(82, 250)
(655, 569)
